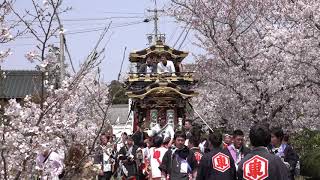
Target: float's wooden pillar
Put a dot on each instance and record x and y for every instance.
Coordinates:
(135, 121)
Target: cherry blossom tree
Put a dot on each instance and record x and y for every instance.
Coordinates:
(8, 30)
(5, 34)
(43, 23)
(260, 63)
(74, 113)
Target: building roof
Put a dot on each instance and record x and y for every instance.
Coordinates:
(19, 83)
(120, 111)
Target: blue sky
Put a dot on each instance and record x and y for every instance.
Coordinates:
(82, 18)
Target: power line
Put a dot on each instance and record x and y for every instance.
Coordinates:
(84, 23)
(185, 28)
(172, 35)
(123, 57)
(95, 29)
(81, 24)
(87, 30)
(185, 37)
(24, 44)
(104, 18)
(99, 29)
(116, 25)
(187, 43)
(85, 20)
(113, 12)
(15, 45)
(89, 19)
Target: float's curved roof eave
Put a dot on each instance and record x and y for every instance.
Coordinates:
(157, 49)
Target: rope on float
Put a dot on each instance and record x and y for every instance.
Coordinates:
(200, 117)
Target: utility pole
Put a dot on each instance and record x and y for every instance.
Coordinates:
(155, 18)
(62, 68)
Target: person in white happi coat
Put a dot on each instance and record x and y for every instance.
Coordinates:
(163, 129)
(123, 140)
(156, 154)
(50, 164)
(105, 157)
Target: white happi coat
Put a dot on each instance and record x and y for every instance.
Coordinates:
(52, 166)
(155, 156)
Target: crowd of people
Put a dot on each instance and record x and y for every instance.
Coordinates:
(188, 155)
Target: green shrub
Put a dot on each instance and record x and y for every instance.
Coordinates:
(307, 145)
(310, 164)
